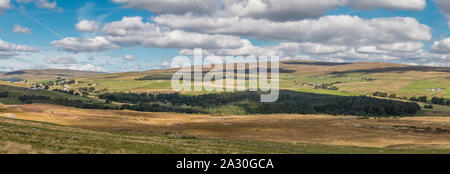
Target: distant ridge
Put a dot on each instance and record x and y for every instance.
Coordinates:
(22, 75)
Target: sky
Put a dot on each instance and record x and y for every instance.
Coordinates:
(138, 35)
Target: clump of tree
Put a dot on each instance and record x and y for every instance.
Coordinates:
(423, 99)
(288, 102)
(438, 101)
(368, 79)
(86, 91)
(414, 99)
(84, 104)
(71, 92)
(428, 106)
(327, 86)
(155, 107)
(71, 81)
(403, 98)
(333, 88)
(380, 94)
(434, 100)
(4, 94)
(29, 99)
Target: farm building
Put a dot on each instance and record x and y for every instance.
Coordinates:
(436, 89)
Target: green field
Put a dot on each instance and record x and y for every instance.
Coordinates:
(16, 92)
(351, 79)
(52, 97)
(419, 88)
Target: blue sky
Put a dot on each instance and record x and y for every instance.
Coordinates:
(63, 23)
(50, 22)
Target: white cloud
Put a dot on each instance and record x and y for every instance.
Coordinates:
(329, 29)
(399, 52)
(441, 64)
(129, 57)
(441, 47)
(403, 47)
(353, 54)
(5, 5)
(96, 44)
(396, 47)
(87, 26)
(172, 6)
(283, 50)
(391, 4)
(276, 10)
(411, 63)
(314, 48)
(87, 67)
(444, 5)
(279, 10)
(286, 10)
(165, 64)
(21, 29)
(131, 31)
(61, 60)
(369, 49)
(9, 49)
(41, 3)
(136, 66)
(222, 27)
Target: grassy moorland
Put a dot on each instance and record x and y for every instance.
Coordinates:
(54, 129)
(38, 124)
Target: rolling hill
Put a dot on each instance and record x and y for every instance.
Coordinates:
(349, 78)
(40, 120)
(23, 75)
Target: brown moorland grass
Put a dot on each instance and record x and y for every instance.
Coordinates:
(418, 132)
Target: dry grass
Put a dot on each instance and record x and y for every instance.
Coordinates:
(17, 148)
(429, 132)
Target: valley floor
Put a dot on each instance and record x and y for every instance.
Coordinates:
(40, 128)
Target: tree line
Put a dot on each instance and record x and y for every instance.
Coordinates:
(4, 94)
(423, 99)
(84, 104)
(289, 102)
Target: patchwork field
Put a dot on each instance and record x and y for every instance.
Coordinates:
(350, 79)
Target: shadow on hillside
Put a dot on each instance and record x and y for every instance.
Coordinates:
(15, 73)
(169, 76)
(12, 80)
(316, 63)
(396, 69)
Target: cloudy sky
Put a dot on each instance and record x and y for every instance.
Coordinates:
(135, 35)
